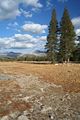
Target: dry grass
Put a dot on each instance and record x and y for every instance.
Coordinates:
(67, 75)
(9, 89)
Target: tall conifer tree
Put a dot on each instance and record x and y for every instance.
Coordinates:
(52, 37)
(67, 39)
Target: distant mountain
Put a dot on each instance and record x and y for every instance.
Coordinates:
(39, 52)
(10, 54)
(13, 54)
(35, 53)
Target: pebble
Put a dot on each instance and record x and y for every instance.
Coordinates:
(22, 117)
(15, 114)
(46, 103)
(5, 118)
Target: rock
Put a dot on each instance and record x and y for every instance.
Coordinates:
(47, 100)
(42, 89)
(9, 102)
(52, 116)
(26, 99)
(45, 109)
(25, 113)
(15, 114)
(5, 118)
(22, 117)
(78, 117)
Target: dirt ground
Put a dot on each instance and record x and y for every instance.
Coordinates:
(67, 75)
(39, 91)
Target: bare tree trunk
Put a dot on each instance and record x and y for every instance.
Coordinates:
(68, 60)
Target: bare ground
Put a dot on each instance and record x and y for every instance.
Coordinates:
(39, 92)
(67, 75)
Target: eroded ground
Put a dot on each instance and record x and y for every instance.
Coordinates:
(39, 92)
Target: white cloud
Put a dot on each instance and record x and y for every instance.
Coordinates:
(48, 3)
(10, 8)
(22, 45)
(13, 24)
(12, 42)
(43, 38)
(23, 37)
(34, 3)
(78, 32)
(27, 14)
(76, 22)
(6, 42)
(29, 38)
(34, 28)
(21, 41)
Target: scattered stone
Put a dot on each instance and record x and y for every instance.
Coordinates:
(5, 118)
(9, 102)
(47, 100)
(25, 113)
(78, 117)
(14, 115)
(51, 117)
(45, 109)
(22, 117)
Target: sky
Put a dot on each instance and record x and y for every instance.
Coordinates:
(24, 23)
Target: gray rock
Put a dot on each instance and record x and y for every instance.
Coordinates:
(47, 101)
(5, 118)
(26, 113)
(22, 117)
(15, 114)
(78, 117)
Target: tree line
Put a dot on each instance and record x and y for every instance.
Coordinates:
(61, 43)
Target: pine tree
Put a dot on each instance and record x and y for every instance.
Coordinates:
(76, 53)
(67, 39)
(51, 38)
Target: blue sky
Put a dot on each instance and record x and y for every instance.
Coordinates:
(24, 23)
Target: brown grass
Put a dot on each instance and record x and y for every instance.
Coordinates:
(67, 75)
(9, 89)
